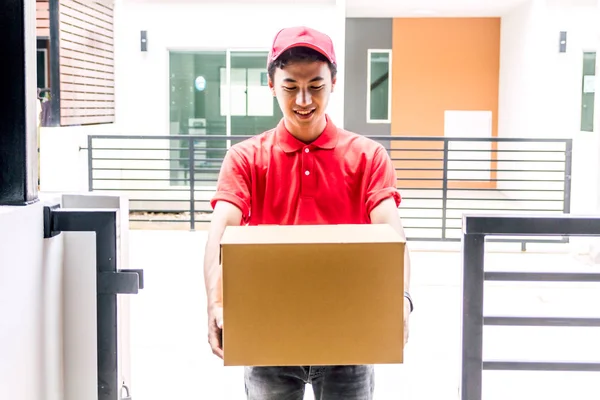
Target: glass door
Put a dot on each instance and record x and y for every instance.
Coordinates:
(588, 91)
(195, 93)
(222, 93)
(252, 107)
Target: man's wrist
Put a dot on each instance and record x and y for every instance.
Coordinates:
(214, 301)
(410, 302)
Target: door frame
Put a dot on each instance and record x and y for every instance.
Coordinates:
(229, 51)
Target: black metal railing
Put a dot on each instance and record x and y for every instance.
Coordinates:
(171, 178)
(475, 231)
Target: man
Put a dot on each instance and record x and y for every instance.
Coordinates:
(305, 171)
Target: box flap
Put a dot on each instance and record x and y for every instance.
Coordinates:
(290, 234)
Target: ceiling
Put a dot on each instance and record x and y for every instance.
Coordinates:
(404, 8)
(429, 8)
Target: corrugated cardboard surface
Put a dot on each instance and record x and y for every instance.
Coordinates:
(312, 295)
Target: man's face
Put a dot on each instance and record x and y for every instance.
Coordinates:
(302, 90)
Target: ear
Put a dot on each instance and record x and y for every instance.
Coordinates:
(333, 82)
(272, 87)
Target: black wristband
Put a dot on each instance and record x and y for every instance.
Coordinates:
(407, 295)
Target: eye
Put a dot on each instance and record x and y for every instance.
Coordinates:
(317, 87)
(289, 89)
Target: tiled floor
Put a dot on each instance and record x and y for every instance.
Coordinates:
(172, 360)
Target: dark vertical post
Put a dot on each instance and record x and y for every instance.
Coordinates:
(445, 188)
(18, 111)
(106, 308)
(192, 161)
(472, 314)
(54, 60)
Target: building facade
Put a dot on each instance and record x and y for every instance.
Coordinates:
(525, 69)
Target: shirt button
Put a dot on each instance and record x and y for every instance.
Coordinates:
(306, 150)
(306, 173)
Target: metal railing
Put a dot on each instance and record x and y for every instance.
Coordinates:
(475, 231)
(439, 178)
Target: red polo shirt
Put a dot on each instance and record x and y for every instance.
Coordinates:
(276, 179)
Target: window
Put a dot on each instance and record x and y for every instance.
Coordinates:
(588, 89)
(379, 100)
(249, 92)
(42, 68)
(222, 93)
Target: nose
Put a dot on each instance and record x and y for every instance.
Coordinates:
(303, 98)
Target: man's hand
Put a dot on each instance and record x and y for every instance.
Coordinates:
(215, 329)
(406, 317)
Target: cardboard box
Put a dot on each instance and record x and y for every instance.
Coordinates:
(312, 295)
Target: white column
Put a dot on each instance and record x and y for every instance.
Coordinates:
(595, 163)
(597, 100)
(23, 255)
(336, 105)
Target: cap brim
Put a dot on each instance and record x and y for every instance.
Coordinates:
(303, 44)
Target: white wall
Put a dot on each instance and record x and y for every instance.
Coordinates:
(597, 112)
(64, 168)
(53, 337)
(519, 70)
(63, 157)
(540, 88)
(64, 160)
(142, 78)
(30, 312)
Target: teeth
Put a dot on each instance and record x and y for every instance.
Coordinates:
(303, 112)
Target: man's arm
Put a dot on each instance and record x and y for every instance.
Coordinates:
(383, 199)
(231, 204)
(387, 213)
(225, 214)
(231, 207)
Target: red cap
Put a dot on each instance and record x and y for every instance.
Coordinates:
(301, 36)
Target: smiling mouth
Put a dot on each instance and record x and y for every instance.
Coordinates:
(304, 113)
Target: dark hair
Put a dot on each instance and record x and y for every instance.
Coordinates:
(299, 54)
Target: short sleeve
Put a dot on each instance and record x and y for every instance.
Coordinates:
(234, 183)
(381, 181)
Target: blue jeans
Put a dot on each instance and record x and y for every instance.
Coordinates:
(353, 382)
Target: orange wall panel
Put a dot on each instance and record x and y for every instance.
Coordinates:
(441, 64)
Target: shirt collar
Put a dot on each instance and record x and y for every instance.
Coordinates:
(289, 144)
